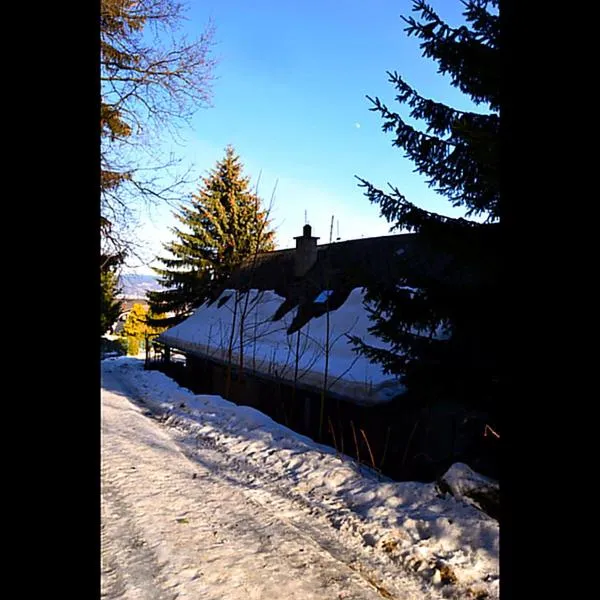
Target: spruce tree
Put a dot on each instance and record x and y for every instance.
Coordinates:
(441, 316)
(110, 305)
(224, 224)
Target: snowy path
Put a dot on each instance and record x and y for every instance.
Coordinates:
(177, 526)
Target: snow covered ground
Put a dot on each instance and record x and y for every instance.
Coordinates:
(213, 500)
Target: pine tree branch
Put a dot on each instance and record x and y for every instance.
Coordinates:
(441, 119)
(455, 170)
(460, 53)
(405, 215)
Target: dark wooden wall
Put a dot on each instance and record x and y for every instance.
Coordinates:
(404, 438)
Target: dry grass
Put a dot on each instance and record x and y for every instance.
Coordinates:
(389, 545)
(448, 575)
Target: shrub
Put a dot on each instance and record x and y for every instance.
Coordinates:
(133, 346)
(113, 347)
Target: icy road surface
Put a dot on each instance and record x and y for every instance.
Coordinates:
(190, 524)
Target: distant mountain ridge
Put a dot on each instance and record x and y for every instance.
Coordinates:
(136, 286)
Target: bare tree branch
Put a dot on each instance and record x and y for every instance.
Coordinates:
(152, 82)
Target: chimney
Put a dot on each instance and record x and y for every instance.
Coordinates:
(306, 252)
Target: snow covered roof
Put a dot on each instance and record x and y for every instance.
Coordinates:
(281, 306)
(344, 266)
(318, 355)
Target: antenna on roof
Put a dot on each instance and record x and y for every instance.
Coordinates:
(331, 230)
(305, 217)
(338, 231)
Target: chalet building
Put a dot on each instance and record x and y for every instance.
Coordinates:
(288, 291)
(276, 336)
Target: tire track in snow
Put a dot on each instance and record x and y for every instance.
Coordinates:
(200, 537)
(317, 521)
(129, 568)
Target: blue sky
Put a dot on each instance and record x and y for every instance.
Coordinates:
(289, 95)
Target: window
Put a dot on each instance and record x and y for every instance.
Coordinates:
(323, 296)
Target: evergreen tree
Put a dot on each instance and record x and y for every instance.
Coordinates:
(224, 224)
(442, 316)
(110, 306)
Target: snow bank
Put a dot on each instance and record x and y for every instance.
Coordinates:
(462, 482)
(408, 526)
(267, 348)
